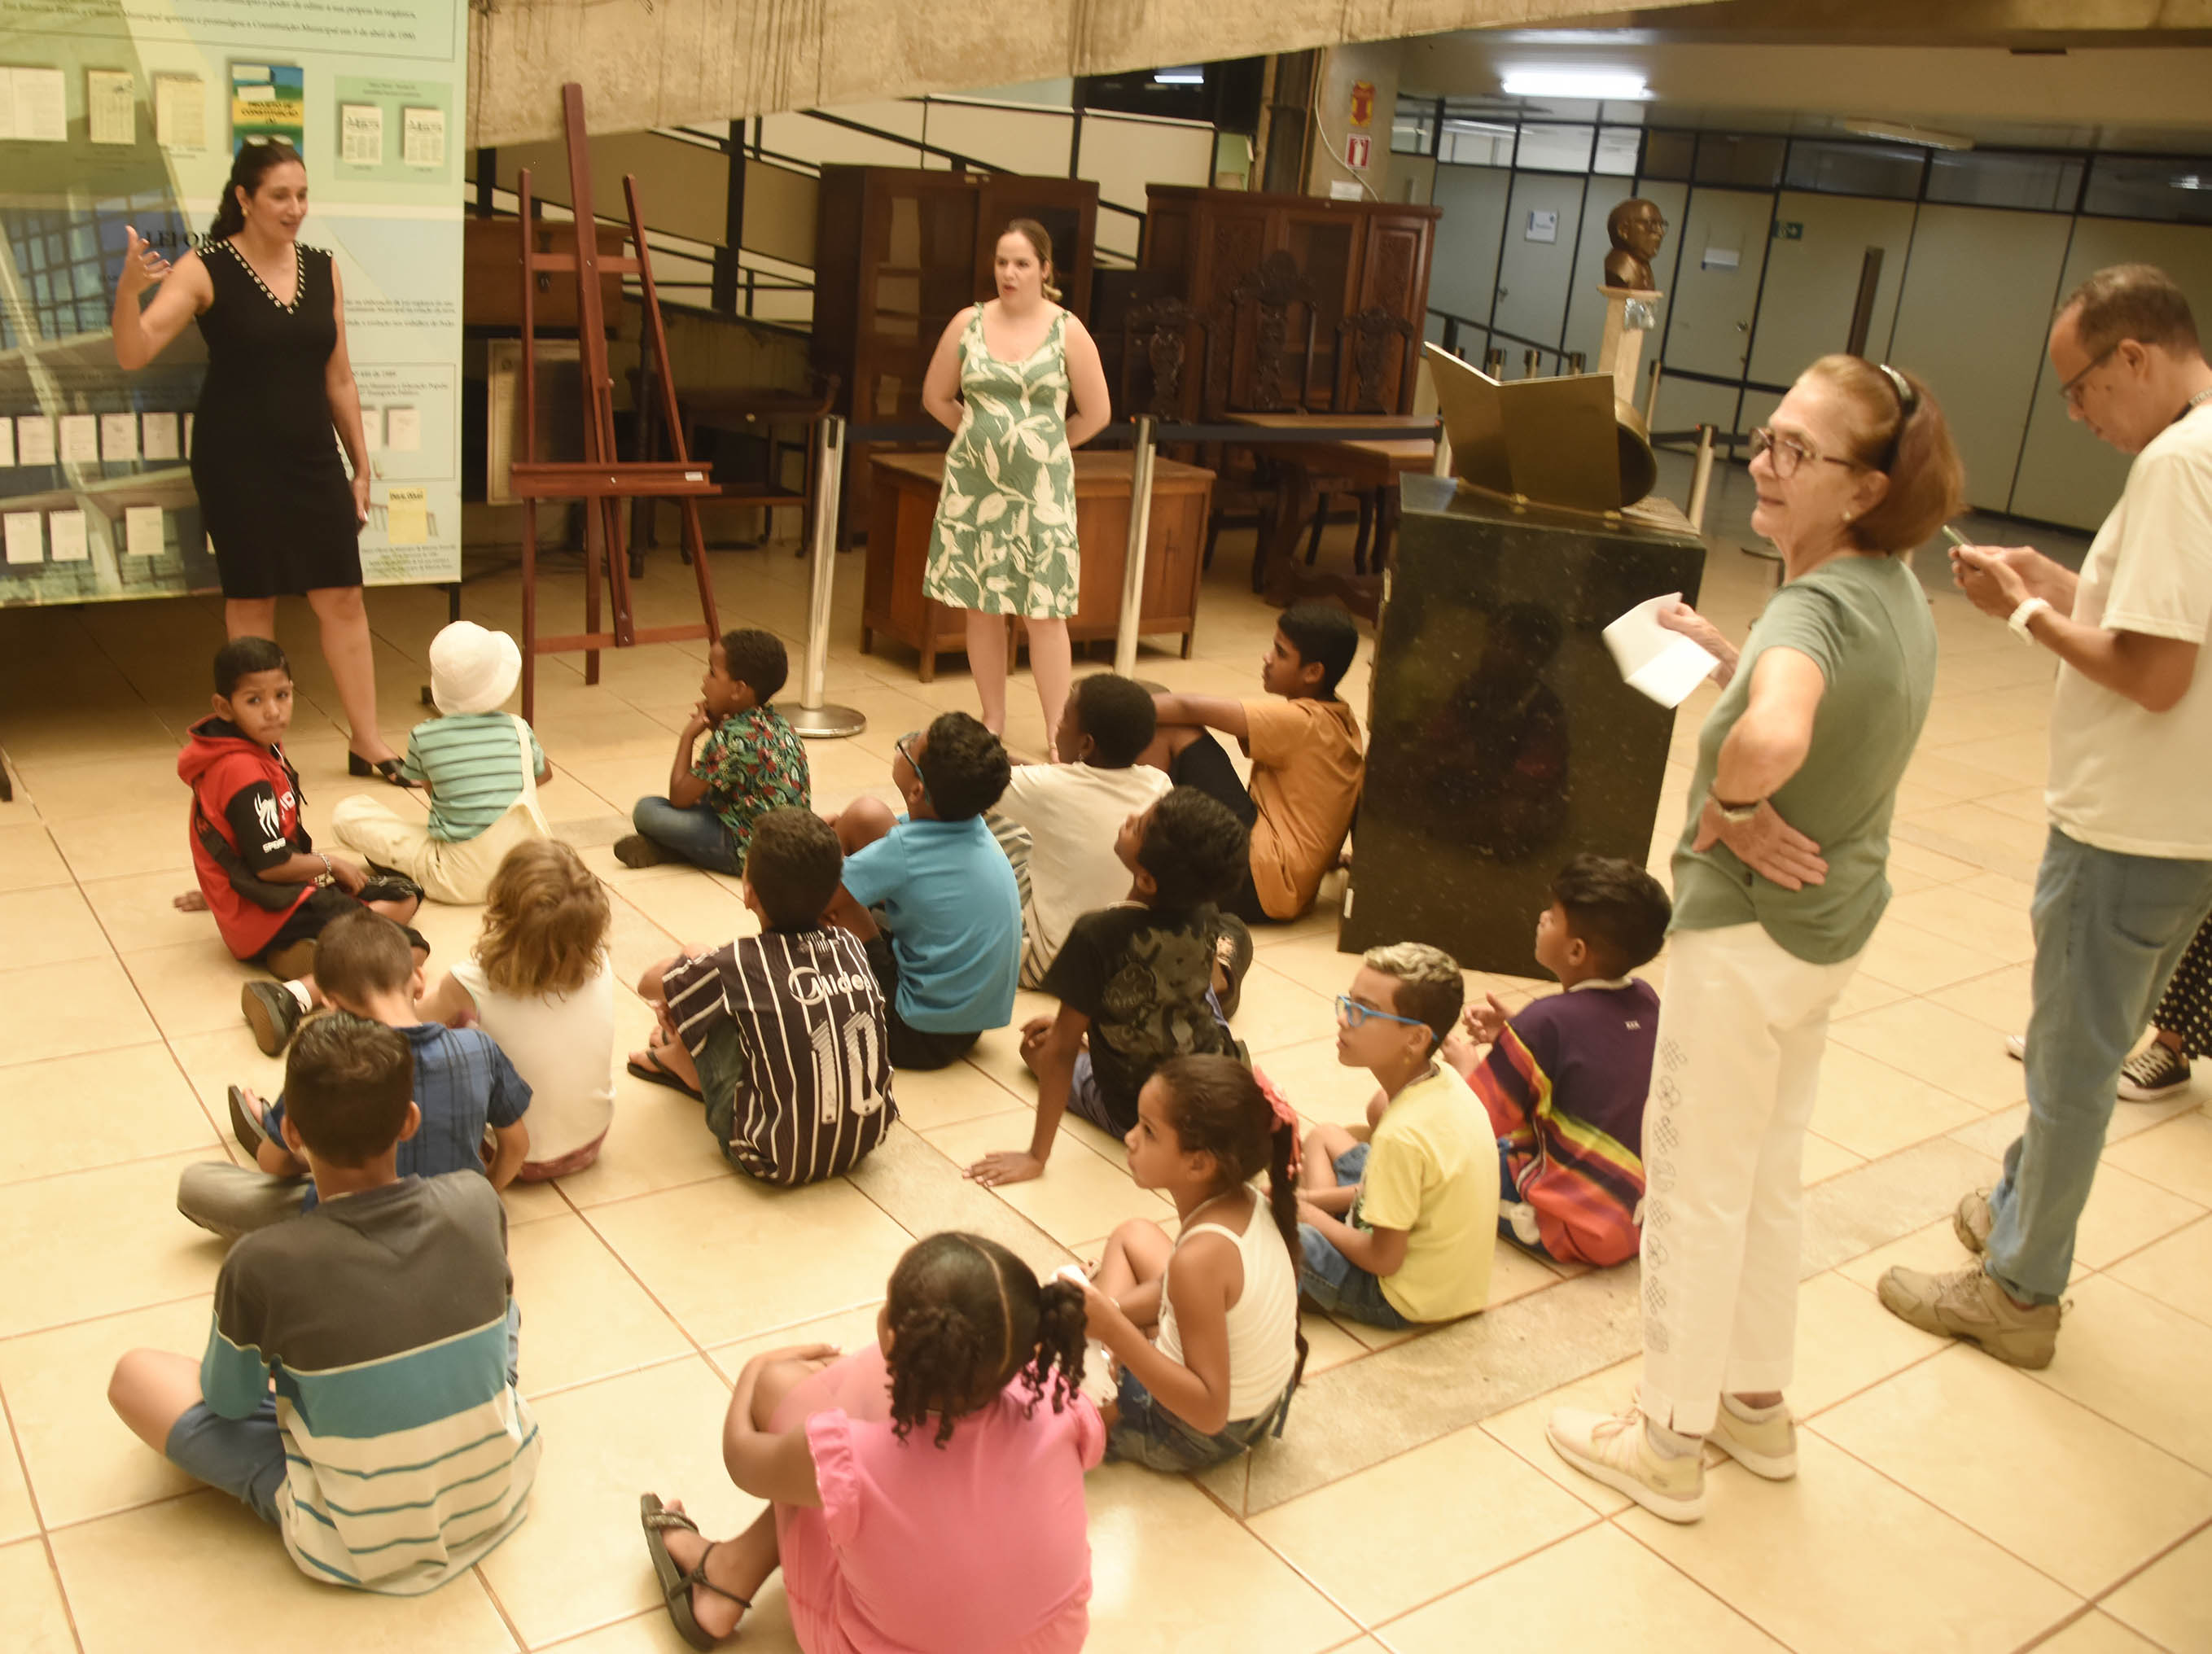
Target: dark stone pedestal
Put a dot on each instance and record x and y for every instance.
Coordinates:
(1502, 740)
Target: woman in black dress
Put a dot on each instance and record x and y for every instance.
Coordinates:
(273, 495)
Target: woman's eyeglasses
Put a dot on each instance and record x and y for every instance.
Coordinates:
(1351, 1013)
(1787, 453)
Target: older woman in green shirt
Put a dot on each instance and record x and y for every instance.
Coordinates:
(1779, 879)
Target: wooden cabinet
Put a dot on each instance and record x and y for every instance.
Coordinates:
(904, 506)
(899, 252)
(1352, 256)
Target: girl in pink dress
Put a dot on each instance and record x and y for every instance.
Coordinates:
(927, 1494)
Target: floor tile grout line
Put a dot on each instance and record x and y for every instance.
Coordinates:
(2134, 1574)
(62, 1590)
(22, 1464)
(105, 1315)
(484, 1580)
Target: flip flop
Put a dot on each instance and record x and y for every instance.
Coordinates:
(676, 1585)
(652, 1073)
(386, 768)
(246, 1124)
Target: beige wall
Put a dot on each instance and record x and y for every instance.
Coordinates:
(1343, 68)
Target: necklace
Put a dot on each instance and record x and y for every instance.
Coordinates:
(299, 275)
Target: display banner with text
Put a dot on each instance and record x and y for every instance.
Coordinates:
(117, 113)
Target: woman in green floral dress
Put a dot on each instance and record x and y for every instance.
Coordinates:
(1003, 541)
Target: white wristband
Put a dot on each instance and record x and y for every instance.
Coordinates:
(2019, 618)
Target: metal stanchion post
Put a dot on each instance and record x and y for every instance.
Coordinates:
(1133, 562)
(812, 718)
(1700, 479)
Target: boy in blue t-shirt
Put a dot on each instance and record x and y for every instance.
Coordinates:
(464, 1084)
(933, 896)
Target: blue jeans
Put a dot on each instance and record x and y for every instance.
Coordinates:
(1332, 1281)
(1146, 1434)
(697, 834)
(2109, 930)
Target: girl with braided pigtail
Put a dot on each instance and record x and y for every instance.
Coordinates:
(925, 1495)
(1204, 1327)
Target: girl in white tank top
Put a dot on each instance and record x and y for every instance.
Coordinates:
(1203, 1328)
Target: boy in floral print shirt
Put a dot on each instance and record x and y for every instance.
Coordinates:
(752, 762)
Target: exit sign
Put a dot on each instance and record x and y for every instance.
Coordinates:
(1790, 230)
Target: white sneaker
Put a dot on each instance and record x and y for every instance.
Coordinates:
(2016, 1047)
(1767, 1447)
(2155, 1071)
(1614, 1449)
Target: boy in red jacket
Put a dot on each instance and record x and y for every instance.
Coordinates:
(270, 890)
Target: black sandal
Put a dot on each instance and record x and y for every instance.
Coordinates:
(653, 1073)
(676, 1585)
(386, 768)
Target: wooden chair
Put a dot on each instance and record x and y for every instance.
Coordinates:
(1259, 310)
(1366, 342)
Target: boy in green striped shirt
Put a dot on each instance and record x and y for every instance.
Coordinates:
(480, 766)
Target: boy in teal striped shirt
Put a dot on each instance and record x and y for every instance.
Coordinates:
(393, 1451)
(481, 767)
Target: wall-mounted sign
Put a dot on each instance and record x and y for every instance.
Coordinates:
(1358, 152)
(1720, 258)
(1789, 230)
(1363, 102)
(1543, 226)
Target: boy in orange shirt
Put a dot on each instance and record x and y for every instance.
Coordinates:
(1307, 760)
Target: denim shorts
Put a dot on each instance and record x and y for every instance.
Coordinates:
(243, 1458)
(1333, 1281)
(1146, 1434)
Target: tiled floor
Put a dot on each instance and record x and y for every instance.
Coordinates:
(1945, 1502)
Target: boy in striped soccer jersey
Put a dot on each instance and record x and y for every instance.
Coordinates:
(782, 1035)
(1565, 1079)
(393, 1451)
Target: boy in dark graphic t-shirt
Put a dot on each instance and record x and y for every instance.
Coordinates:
(1135, 980)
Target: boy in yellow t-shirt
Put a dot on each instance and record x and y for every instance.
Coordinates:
(1398, 1218)
(1307, 762)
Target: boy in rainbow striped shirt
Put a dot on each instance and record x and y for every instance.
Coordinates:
(1565, 1079)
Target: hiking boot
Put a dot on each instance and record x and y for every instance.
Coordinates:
(2155, 1071)
(272, 1012)
(1968, 1303)
(1232, 957)
(1970, 1223)
(247, 1123)
(1766, 1447)
(1614, 1449)
(635, 850)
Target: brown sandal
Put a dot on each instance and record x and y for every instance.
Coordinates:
(677, 1585)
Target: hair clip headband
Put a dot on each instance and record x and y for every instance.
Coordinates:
(1284, 1115)
(1908, 399)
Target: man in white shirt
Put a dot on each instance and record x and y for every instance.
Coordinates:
(2127, 874)
(1074, 809)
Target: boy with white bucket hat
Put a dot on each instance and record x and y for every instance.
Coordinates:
(481, 767)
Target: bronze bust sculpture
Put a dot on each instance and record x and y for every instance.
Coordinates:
(1636, 228)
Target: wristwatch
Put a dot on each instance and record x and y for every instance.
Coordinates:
(2019, 618)
(1735, 815)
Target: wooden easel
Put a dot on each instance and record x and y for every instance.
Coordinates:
(600, 479)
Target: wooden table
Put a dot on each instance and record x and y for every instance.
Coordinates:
(904, 507)
(1302, 469)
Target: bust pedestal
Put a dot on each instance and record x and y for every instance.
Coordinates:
(1502, 740)
(1629, 313)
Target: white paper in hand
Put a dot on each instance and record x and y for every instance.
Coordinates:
(1653, 661)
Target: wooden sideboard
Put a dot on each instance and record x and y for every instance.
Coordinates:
(903, 501)
(1355, 255)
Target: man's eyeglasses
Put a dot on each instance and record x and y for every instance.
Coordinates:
(2071, 390)
(1351, 1013)
(1787, 453)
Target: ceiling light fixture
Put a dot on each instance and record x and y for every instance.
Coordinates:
(1189, 76)
(1598, 85)
(1904, 132)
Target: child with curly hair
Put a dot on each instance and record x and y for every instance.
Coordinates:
(925, 1495)
(538, 982)
(1204, 1327)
